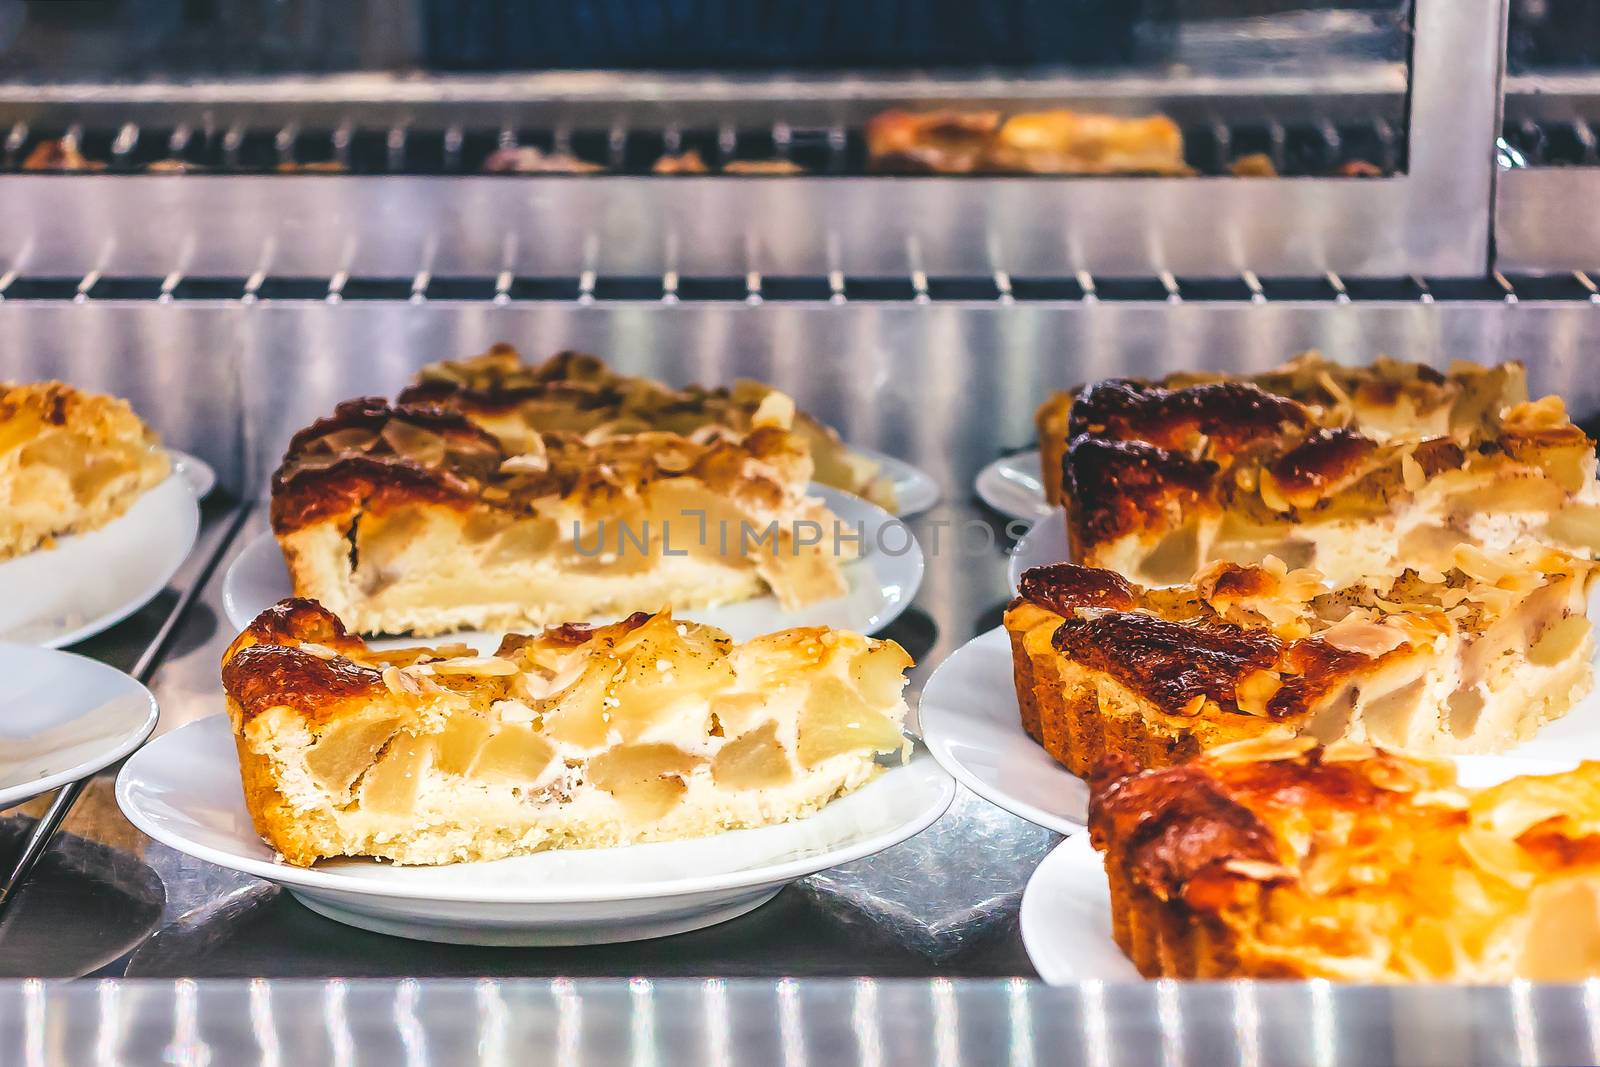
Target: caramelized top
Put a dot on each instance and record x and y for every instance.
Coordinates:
(1267, 641)
(1172, 662)
(575, 392)
(1186, 832)
(1229, 415)
(26, 409)
(1358, 863)
(375, 456)
(577, 684)
(1144, 457)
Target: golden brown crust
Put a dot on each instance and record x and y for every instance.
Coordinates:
(577, 393)
(264, 676)
(1325, 461)
(70, 461)
(933, 142)
(1104, 666)
(1311, 441)
(577, 736)
(1287, 859)
(1063, 588)
(1118, 487)
(1172, 663)
(1054, 141)
(372, 457)
(1230, 415)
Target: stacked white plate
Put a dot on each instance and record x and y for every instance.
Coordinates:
(1012, 485)
(66, 717)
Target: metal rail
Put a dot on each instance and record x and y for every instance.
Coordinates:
(43, 832)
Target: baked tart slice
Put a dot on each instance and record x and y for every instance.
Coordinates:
(1055, 141)
(1350, 471)
(1285, 859)
(70, 461)
(405, 519)
(648, 729)
(576, 393)
(1470, 659)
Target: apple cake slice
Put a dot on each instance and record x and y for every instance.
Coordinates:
(1471, 659)
(1054, 141)
(1383, 400)
(1352, 472)
(70, 461)
(576, 393)
(1283, 859)
(647, 729)
(404, 519)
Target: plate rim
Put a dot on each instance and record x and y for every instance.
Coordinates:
(914, 559)
(147, 593)
(17, 794)
(330, 882)
(930, 492)
(990, 472)
(938, 746)
(204, 478)
(1015, 563)
(1031, 921)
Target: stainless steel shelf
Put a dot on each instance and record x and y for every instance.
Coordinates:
(872, 1023)
(948, 386)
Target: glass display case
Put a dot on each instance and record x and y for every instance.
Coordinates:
(1549, 155)
(1184, 136)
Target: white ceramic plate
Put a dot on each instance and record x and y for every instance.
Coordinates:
(971, 724)
(89, 581)
(183, 790)
(1012, 487)
(882, 583)
(65, 717)
(201, 474)
(915, 491)
(1066, 909)
(1043, 544)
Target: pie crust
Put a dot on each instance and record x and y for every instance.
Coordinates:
(1278, 858)
(1471, 659)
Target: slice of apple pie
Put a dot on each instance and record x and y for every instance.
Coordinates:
(402, 519)
(1353, 471)
(1282, 859)
(70, 461)
(647, 729)
(576, 393)
(1470, 659)
(1055, 141)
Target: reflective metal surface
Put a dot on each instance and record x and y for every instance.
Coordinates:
(947, 386)
(1536, 226)
(1433, 220)
(783, 1021)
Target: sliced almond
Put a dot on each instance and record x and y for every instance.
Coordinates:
(492, 666)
